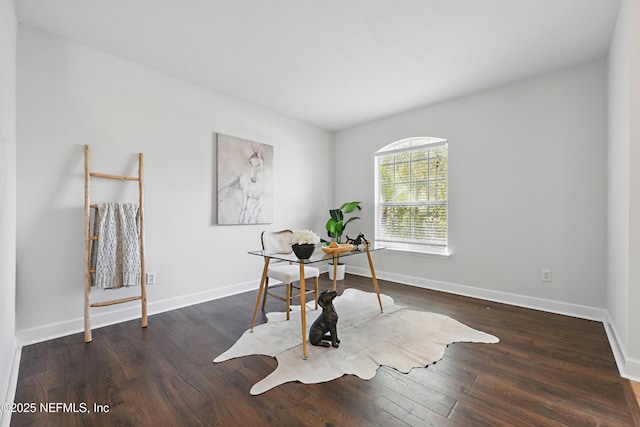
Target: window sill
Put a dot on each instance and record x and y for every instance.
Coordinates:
(427, 254)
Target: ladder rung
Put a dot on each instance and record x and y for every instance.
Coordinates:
(120, 177)
(93, 238)
(115, 301)
(92, 271)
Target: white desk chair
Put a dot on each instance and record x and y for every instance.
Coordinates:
(280, 242)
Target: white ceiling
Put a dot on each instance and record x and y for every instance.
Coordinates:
(337, 63)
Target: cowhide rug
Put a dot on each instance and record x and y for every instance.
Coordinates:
(400, 338)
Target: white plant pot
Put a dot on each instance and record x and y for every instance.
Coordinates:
(339, 272)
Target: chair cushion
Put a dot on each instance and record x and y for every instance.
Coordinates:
(291, 273)
(277, 242)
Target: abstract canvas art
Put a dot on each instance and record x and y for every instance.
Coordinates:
(245, 181)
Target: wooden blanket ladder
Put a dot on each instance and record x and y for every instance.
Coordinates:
(89, 238)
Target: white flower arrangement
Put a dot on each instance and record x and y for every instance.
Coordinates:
(304, 237)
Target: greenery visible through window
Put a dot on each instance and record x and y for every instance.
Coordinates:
(411, 194)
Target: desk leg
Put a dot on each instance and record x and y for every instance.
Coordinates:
(375, 280)
(303, 312)
(264, 278)
(335, 271)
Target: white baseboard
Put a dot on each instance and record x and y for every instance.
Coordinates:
(627, 366)
(631, 369)
(9, 390)
(128, 311)
(574, 310)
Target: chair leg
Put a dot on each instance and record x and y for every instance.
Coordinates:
(288, 299)
(316, 280)
(264, 297)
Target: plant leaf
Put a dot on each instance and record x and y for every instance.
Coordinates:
(334, 228)
(350, 207)
(337, 230)
(353, 218)
(336, 214)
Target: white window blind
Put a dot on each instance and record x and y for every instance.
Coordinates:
(411, 194)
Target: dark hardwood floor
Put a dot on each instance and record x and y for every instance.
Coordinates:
(547, 370)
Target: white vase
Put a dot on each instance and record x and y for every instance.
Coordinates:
(339, 272)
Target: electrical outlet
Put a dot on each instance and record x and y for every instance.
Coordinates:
(546, 275)
(151, 278)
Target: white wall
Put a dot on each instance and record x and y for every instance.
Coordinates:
(70, 95)
(8, 344)
(634, 190)
(527, 190)
(623, 275)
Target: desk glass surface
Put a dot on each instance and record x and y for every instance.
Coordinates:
(318, 255)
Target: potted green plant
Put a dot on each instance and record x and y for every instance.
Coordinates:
(336, 226)
(337, 223)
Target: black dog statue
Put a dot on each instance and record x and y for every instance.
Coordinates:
(325, 328)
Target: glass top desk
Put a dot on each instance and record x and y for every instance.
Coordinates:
(318, 256)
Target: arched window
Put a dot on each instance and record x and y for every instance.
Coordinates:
(411, 195)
